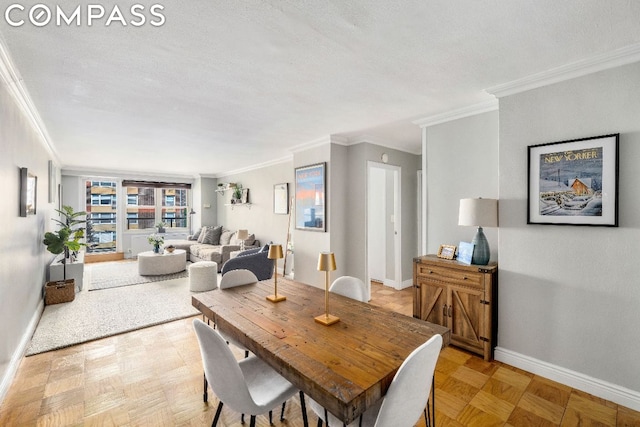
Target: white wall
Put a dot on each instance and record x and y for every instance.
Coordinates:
(462, 162)
(570, 296)
(258, 218)
(23, 256)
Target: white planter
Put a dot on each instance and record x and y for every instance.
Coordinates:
(74, 270)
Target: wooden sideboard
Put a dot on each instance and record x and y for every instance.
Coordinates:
(464, 298)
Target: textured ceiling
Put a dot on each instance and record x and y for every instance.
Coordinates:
(224, 85)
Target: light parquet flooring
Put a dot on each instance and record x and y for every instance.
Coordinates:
(153, 377)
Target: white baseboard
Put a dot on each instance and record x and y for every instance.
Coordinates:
(603, 389)
(398, 286)
(14, 364)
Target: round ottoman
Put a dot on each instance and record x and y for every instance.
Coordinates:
(203, 276)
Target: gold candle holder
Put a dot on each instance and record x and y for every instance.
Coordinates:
(326, 263)
(275, 253)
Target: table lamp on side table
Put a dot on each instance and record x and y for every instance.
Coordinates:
(275, 253)
(242, 236)
(481, 213)
(326, 263)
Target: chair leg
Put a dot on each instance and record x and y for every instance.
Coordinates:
(319, 422)
(270, 418)
(303, 408)
(217, 416)
(205, 395)
(282, 412)
(252, 423)
(242, 419)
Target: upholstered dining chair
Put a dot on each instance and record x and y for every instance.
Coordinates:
(247, 386)
(406, 397)
(350, 287)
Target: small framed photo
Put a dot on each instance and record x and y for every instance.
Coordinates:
(574, 182)
(465, 252)
(281, 199)
(245, 196)
(447, 252)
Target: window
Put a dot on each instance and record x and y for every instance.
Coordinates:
(149, 203)
(101, 208)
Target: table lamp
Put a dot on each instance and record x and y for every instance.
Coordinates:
(275, 253)
(191, 214)
(326, 263)
(242, 236)
(481, 213)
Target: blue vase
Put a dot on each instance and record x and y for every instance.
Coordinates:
(156, 249)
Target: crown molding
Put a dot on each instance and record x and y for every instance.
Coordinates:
(19, 93)
(605, 61)
(370, 139)
(470, 110)
(279, 161)
(328, 139)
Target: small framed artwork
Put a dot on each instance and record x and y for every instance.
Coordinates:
(574, 182)
(310, 197)
(28, 192)
(447, 252)
(281, 199)
(465, 252)
(244, 198)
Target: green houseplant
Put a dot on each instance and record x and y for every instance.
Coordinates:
(67, 239)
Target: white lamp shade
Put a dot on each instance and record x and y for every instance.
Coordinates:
(478, 212)
(242, 235)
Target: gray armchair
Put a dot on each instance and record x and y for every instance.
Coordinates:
(254, 260)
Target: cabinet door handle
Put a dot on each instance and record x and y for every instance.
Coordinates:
(449, 311)
(444, 310)
(464, 277)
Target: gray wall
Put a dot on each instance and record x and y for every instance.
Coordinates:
(462, 162)
(24, 257)
(356, 214)
(570, 296)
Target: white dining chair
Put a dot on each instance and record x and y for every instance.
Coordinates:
(247, 386)
(407, 396)
(350, 287)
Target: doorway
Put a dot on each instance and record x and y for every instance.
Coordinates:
(384, 226)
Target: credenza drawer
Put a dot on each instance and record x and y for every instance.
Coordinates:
(433, 272)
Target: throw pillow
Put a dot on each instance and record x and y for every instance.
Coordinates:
(225, 237)
(203, 233)
(195, 235)
(247, 242)
(215, 239)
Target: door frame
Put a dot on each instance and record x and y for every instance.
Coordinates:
(396, 281)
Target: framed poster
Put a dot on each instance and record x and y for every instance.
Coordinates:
(281, 198)
(310, 197)
(574, 182)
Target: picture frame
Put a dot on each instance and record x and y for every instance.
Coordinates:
(28, 193)
(311, 197)
(574, 182)
(447, 252)
(53, 174)
(281, 199)
(465, 252)
(244, 198)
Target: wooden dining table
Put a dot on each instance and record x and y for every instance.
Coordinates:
(345, 367)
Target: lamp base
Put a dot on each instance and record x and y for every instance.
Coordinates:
(276, 298)
(481, 252)
(327, 319)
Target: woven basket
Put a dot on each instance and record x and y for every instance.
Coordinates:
(59, 291)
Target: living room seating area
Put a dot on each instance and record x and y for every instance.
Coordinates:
(213, 243)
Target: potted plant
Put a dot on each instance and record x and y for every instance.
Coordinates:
(237, 194)
(64, 241)
(160, 226)
(156, 240)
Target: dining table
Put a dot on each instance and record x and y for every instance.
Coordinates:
(345, 367)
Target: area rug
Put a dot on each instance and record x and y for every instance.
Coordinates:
(94, 315)
(116, 274)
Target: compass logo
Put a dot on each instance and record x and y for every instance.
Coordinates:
(41, 15)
